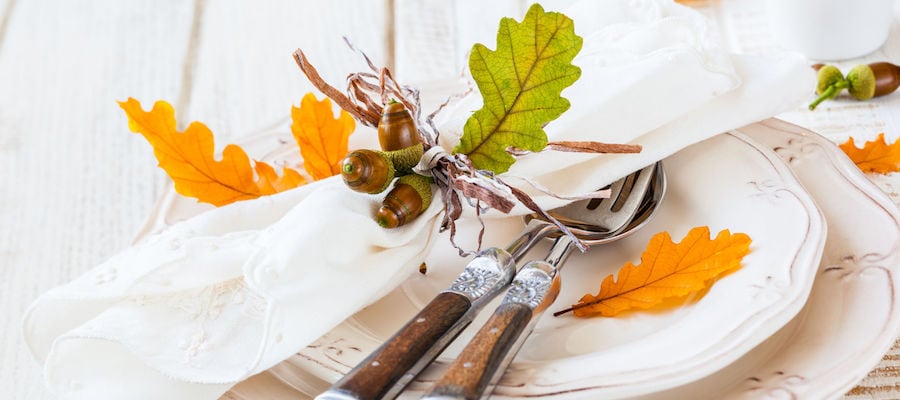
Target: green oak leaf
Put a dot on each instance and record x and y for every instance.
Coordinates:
(521, 83)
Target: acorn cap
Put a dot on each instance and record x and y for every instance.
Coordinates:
(828, 75)
(862, 82)
(406, 158)
(830, 83)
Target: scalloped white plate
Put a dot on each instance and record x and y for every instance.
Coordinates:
(725, 183)
(852, 316)
(846, 326)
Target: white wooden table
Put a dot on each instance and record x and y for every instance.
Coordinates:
(77, 185)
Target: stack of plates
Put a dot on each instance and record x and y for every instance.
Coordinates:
(811, 311)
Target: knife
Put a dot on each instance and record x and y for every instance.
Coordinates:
(477, 369)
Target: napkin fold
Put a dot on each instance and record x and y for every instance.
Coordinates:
(221, 296)
(231, 292)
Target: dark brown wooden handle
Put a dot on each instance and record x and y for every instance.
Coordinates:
(406, 353)
(469, 376)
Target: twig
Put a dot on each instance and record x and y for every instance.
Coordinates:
(365, 116)
(594, 147)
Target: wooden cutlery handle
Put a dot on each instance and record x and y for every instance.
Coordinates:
(385, 372)
(471, 373)
(395, 361)
(481, 364)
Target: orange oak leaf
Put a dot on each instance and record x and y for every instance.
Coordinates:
(322, 137)
(189, 159)
(668, 271)
(875, 156)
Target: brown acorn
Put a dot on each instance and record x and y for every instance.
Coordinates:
(396, 130)
(410, 196)
(887, 77)
(367, 171)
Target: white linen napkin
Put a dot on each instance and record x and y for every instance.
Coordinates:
(233, 291)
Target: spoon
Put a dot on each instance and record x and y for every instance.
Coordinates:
(387, 370)
(480, 365)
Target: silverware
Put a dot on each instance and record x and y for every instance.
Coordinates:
(387, 370)
(481, 364)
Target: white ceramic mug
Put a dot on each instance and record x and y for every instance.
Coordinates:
(830, 29)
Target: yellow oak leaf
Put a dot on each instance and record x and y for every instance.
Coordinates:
(189, 159)
(875, 156)
(668, 271)
(322, 137)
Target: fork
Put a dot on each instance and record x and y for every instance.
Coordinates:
(481, 364)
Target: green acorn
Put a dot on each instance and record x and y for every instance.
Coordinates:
(830, 83)
(861, 81)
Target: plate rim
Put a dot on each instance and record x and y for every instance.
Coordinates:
(828, 386)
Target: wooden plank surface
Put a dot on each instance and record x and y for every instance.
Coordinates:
(433, 39)
(882, 383)
(745, 27)
(76, 183)
(244, 78)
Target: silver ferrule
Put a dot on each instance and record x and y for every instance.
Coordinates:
(485, 276)
(536, 286)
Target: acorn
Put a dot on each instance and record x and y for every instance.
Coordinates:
(830, 83)
(828, 76)
(397, 130)
(367, 171)
(371, 171)
(861, 82)
(864, 81)
(410, 196)
(887, 77)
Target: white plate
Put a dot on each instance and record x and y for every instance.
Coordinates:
(852, 316)
(724, 183)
